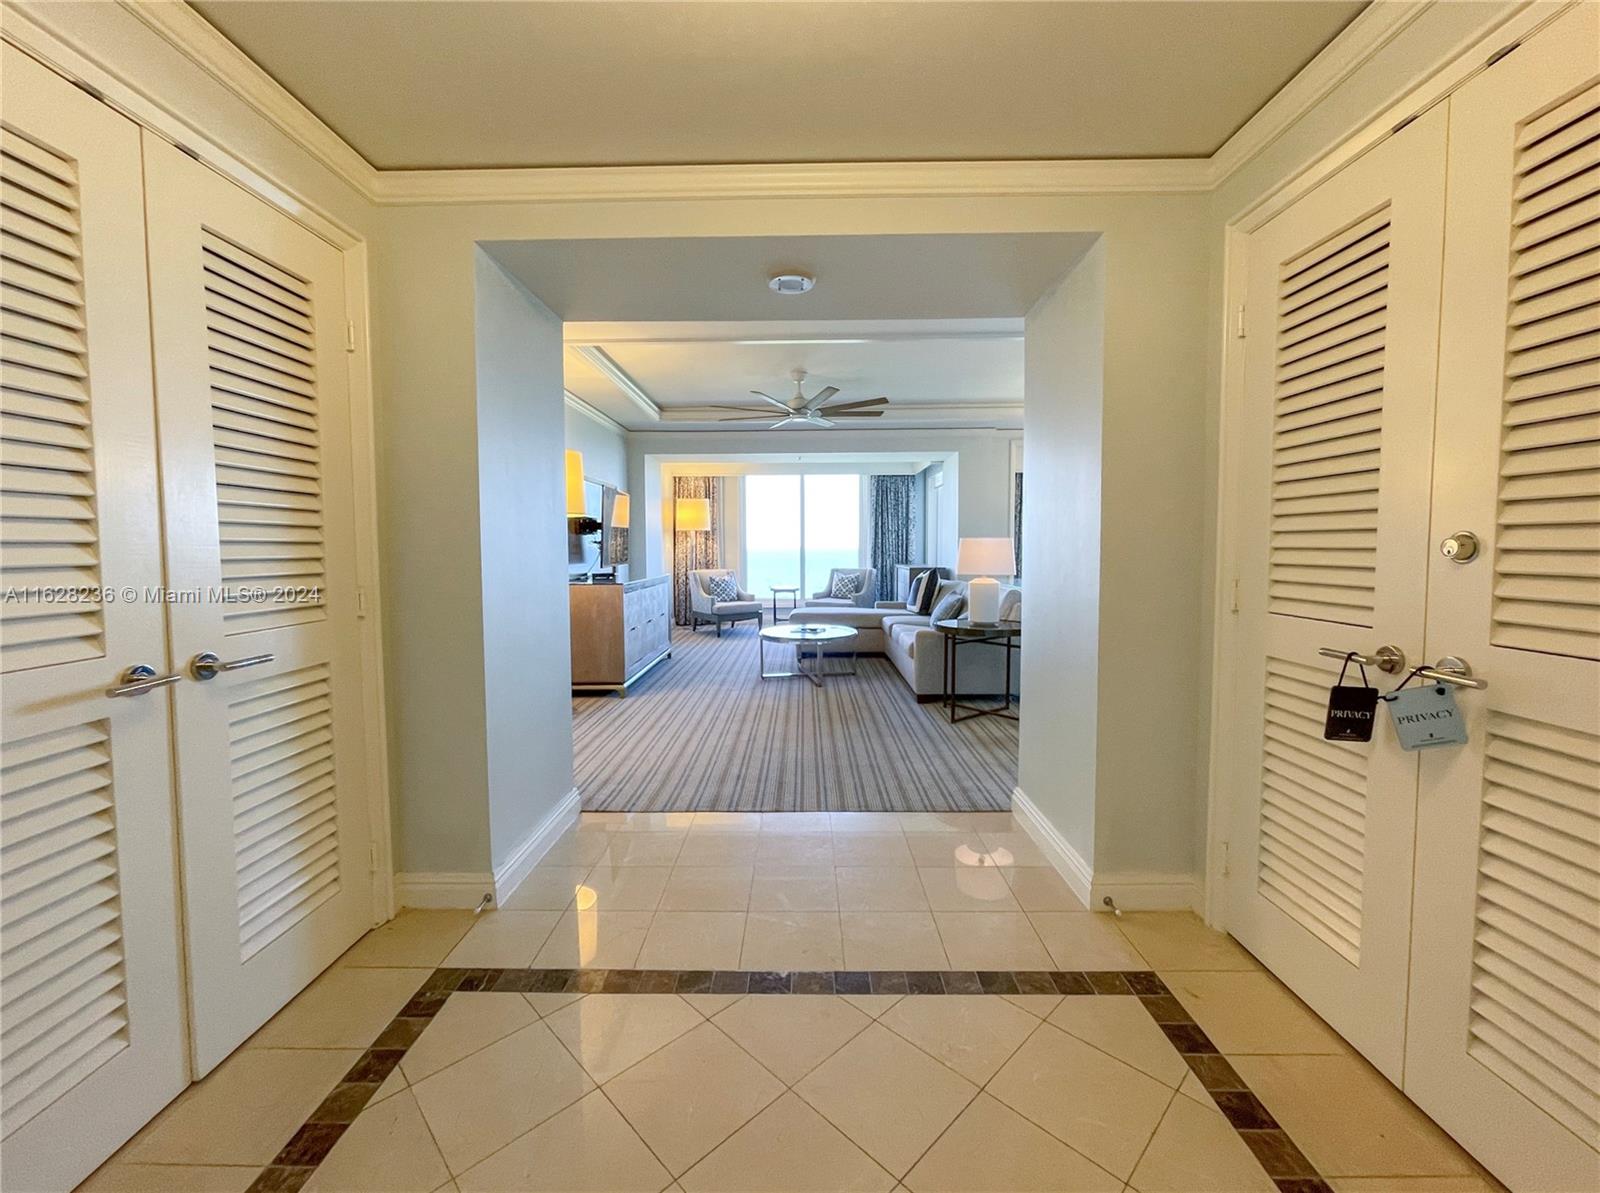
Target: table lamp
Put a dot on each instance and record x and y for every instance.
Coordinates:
(983, 559)
(575, 485)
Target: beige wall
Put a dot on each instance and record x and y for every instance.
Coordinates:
(523, 537)
(1064, 372)
(1155, 264)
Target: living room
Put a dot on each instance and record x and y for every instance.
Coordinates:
(754, 504)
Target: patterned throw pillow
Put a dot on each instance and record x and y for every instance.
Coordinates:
(847, 585)
(722, 588)
(923, 598)
(950, 606)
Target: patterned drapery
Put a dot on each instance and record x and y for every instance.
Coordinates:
(895, 517)
(1016, 524)
(694, 549)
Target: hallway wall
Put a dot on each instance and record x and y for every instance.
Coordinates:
(1156, 286)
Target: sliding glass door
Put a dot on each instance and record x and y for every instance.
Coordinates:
(796, 528)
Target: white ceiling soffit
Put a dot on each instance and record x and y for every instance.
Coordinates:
(724, 278)
(422, 85)
(1370, 31)
(680, 383)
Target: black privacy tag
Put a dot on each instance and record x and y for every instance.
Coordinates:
(1351, 711)
(1426, 717)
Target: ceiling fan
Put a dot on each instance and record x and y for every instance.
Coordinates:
(801, 411)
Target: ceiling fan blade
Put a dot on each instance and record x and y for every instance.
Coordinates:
(816, 420)
(857, 405)
(784, 406)
(854, 413)
(820, 397)
(744, 418)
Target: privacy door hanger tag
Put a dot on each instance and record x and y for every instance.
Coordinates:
(1351, 708)
(1426, 717)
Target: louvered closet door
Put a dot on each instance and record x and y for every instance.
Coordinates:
(252, 390)
(1504, 1048)
(91, 1026)
(1342, 314)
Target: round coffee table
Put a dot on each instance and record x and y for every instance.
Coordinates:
(802, 637)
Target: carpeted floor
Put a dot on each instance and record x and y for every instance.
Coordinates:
(701, 732)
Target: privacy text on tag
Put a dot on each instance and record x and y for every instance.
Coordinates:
(1351, 712)
(1426, 717)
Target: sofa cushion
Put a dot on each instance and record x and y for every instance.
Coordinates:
(848, 615)
(895, 619)
(1010, 604)
(904, 635)
(829, 603)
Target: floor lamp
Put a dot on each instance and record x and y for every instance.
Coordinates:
(692, 515)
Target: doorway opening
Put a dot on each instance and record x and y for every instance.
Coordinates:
(818, 606)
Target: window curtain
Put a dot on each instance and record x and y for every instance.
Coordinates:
(1016, 523)
(895, 520)
(701, 549)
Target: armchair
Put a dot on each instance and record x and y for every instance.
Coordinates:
(705, 608)
(865, 596)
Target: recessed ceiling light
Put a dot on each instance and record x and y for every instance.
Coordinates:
(790, 283)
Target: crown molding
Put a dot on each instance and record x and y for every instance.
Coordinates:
(636, 394)
(198, 40)
(574, 402)
(598, 184)
(757, 332)
(896, 414)
(202, 44)
(1372, 29)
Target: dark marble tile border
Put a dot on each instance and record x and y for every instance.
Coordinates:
(1282, 1161)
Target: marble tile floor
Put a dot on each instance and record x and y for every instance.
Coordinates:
(1019, 1041)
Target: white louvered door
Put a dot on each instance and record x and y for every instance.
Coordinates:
(1504, 1045)
(91, 1001)
(252, 391)
(1342, 311)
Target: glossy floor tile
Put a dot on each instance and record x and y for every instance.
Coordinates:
(985, 1036)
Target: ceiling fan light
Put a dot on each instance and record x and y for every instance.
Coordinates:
(790, 283)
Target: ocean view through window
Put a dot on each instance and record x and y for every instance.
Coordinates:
(798, 528)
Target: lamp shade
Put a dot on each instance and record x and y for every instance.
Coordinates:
(619, 510)
(985, 557)
(575, 485)
(693, 513)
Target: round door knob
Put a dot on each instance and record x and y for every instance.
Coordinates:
(1460, 547)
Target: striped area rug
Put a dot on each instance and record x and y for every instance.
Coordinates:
(701, 732)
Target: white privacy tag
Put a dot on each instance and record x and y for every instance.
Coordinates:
(1426, 717)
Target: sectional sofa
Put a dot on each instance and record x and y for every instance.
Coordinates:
(909, 641)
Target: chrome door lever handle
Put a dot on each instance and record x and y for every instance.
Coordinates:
(142, 678)
(207, 664)
(1389, 659)
(1452, 670)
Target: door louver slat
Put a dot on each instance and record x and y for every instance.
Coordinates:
(1547, 549)
(285, 821)
(1332, 318)
(266, 438)
(62, 999)
(1535, 1009)
(48, 530)
(1313, 812)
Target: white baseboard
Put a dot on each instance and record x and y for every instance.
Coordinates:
(1076, 872)
(1147, 892)
(509, 875)
(464, 889)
